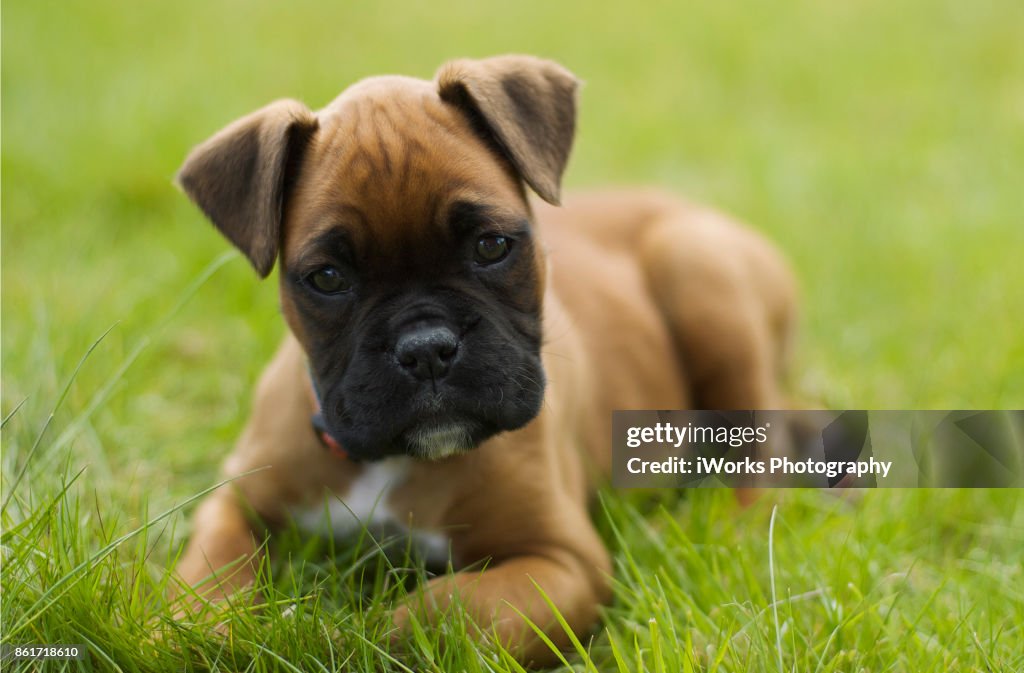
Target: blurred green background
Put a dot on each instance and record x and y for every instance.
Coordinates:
(880, 144)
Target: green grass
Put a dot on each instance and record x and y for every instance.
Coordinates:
(879, 143)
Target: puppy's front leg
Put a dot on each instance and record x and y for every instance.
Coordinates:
(277, 461)
(222, 556)
(572, 571)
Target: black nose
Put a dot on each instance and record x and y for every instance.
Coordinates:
(427, 352)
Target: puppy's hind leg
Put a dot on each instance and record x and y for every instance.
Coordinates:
(730, 302)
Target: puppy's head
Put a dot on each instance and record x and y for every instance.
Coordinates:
(409, 268)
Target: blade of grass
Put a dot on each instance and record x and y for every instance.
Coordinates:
(105, 391)
(771, 575)
(11, 415)
(49, 419)
(65, 582)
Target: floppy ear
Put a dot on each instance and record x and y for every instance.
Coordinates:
(239, 177)
(526, 105)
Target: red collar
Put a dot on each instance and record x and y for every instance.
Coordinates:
(320, 427)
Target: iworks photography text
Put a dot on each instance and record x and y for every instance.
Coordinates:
(714, 467)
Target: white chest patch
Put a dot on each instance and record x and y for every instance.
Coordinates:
(366, 504)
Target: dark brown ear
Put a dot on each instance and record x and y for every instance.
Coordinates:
(527, 104)
(239, 176)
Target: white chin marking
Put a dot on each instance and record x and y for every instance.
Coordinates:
(440, 441)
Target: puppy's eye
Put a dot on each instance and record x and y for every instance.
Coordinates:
(329, 280)
(491, 249)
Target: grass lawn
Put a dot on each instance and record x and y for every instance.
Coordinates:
(880, 144)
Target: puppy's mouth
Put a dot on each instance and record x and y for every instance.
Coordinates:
(373, 416)
(433, 438)
(436, 439)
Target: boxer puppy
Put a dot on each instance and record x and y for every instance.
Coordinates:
(460, 347)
